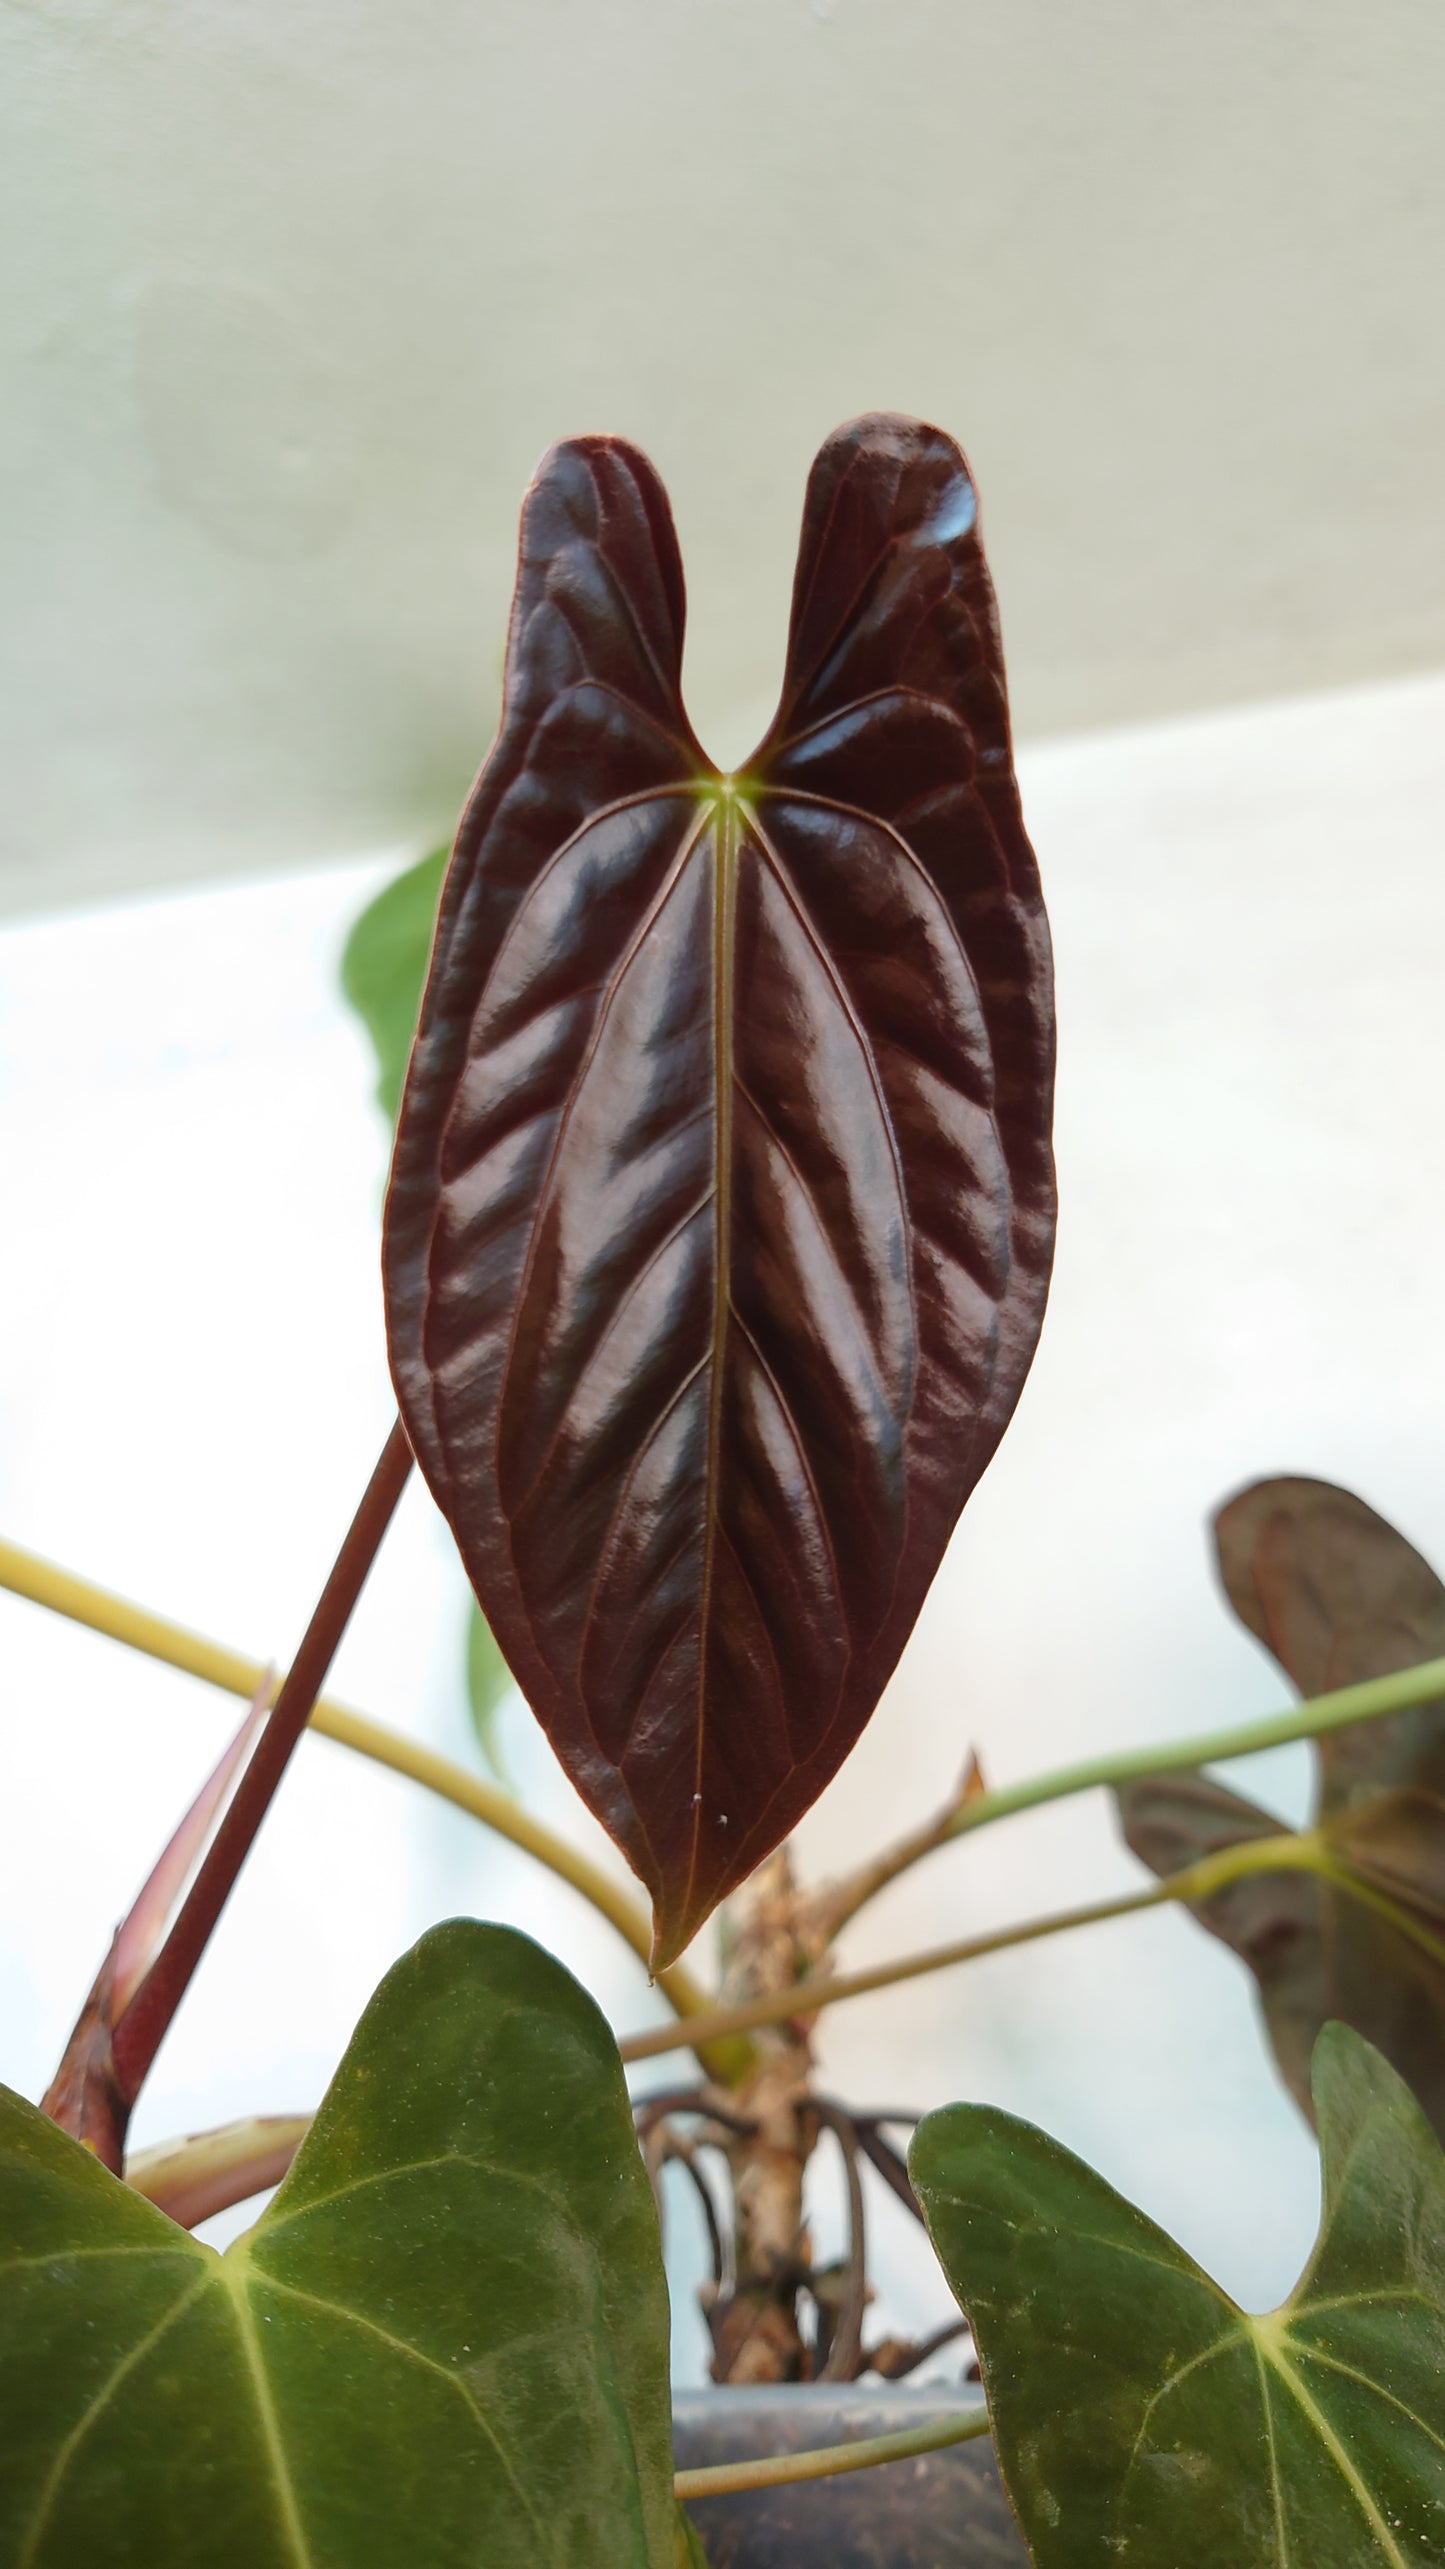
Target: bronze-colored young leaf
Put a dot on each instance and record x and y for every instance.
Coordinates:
(444, 2346)
(1140, 2415)
(1273, 1921)
(722, 1209)
(1337, 1595)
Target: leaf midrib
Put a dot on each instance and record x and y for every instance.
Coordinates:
(235, 2274)
(727, 832)
(1272, 2337)
(1272, 2343)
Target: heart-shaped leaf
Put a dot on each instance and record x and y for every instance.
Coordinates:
(444, 2343)
(1338, 1596)
(1141, 2416)
(722, 1208)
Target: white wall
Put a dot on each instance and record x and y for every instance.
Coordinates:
(292, 296)
(1250, 914)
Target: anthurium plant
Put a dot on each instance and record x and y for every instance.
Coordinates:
(717, 1243)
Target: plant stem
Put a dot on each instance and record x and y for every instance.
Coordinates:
(834, 1907)
(1290, 1852)
(1366, 1702)
(966, 1810)
(207, 2172)
(144, 2024)
(779, 2470)
(80, 1601)
(1407, 1921)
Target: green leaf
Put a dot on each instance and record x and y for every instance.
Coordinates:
(383, 966)
(1140, 2416)
(489, 1682)
(688, 2551)
(443, 2347)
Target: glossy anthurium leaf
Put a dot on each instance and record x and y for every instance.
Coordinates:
(722, 1207)
(1337, 1595)
(444, 2343)
(1140, 2415)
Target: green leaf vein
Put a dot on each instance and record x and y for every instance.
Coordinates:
(428, 2363)
(94, 2409)
(235, 2274)
(1338, 2453)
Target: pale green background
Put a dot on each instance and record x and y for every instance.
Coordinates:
(296, 291)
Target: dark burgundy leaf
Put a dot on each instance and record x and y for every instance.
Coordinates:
(1337, 1596)
(721, 1215)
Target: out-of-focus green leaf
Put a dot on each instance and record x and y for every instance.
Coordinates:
(1140, 2416)
(383, 966)
(1337, 1595)
(689, 2553)
(444, 2346)
(489, 1682)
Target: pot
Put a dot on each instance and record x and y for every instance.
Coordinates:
(938, 2511)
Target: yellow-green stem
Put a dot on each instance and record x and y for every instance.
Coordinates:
(1374, 1697)
(1290, 1851)
(780, 2470)
(81, 1602)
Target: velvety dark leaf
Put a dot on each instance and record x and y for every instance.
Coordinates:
(444, 2344)
(1142, 2417)
(383, 967)
(1337, 1596)
(722, 1208)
